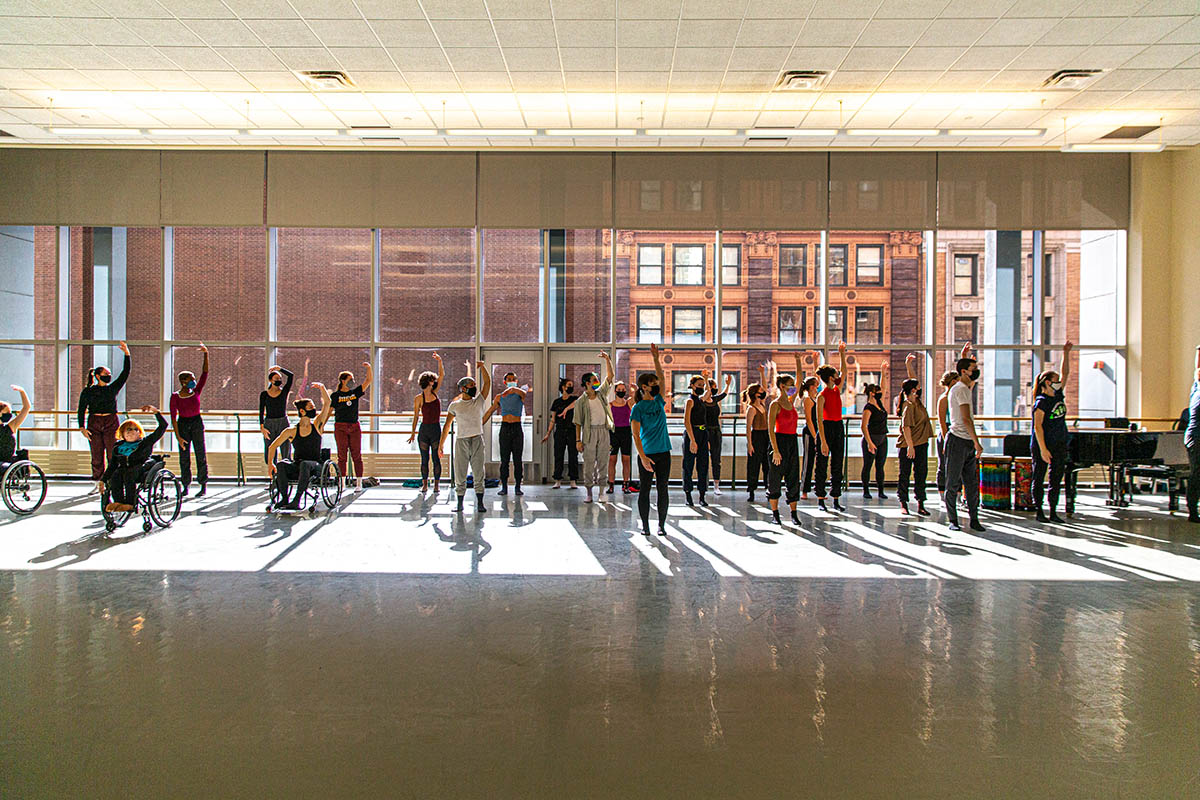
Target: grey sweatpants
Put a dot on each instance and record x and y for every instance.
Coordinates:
(468, 454)
(276, 426)
(595, 456)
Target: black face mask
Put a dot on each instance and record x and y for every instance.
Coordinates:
(104, 378)
(975, 374)
(276, 382)
(469, 391)
(620, 393)
(655, 390)
(6, 418)
(569, 389)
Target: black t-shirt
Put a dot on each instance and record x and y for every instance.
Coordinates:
(712, 411)
(877, 421)
(563, 425)
(345, 404)
(1054, 423)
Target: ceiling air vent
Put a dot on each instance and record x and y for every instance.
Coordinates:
(1071, 80)
(802, 80)
(1130, 132)
(323, 80)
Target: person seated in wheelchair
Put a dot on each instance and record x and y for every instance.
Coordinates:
(9, 424)
(305, 437)
(130, 461)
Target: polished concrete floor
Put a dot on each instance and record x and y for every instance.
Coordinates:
(392, 649)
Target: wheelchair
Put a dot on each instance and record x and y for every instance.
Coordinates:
(23, 485)
(325, 487)
(159, 499)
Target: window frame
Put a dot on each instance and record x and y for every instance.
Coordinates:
(737, 338)
(737, 267)
(675, 328)
(858, 278)
(793, 246)
(974, 329)
(703, 265)
(662, 321)
(867, 310)
(662, 264)
(844, 311)
(845, 248)
(974, 276)
(802, 330)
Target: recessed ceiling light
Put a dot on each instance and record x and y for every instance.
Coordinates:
(96, 131)
(1130, 132)
(909, 132)
(492, 132)
(281, 132)
(1113, 147)
(591, 132)
(694, 132)
(997, 132)
(194, 132)
(775, 133)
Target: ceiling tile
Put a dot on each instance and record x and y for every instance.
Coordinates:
(391, 9)
(283, 33)
(586, 9)
(948, 32)
(488, 81)
(643, 33)
(532, 59)
(582, 33)
(1013, 31)
(465, 33)
(1083, 30)
(701, 58)
(89, 58)
(431, 81)
(842, 9)
(1125, 79)
(527, 33)
(648, 59)
(223, 33)
(274, 81)
(326, 9)
(893, 32)
(910, 9)
(1109, 56)
(826, 58)
(261, 9)
(38, 30)
(985, 58)
(713, 9)
(140, 57)
(830, 33)
(19, 56)
(362, 59)
(223, 82)
(519, 9)
(197, 9)
(475, 59)
(1177, 79)
(909, 80)
(922, 58)
(1107, 8)
(707, 33)
(769, 33)
(420, 59)
(1035, 8)
(749, 81)
(872, 58)
(1017, 80)
(1187, 33)
(1148, 30)
(585, 58)
(455, 9)
(976, 8)
(165, 32)
(779, 9)
(129, 9)
(64, 79)
(305, 57)
(1161, 55)
(536, 81)
(703, 82)
(757, 58)
(1045, 57)
(110, 32)
(962, 80)
(121, 79)
(649, 9)
(404, 33)
(195, 58)
(342, 32)
(250, 58)
(862, 80)
(590, 81)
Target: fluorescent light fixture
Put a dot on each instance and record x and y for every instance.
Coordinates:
(281, 132)
(194, 132)
(492, 132)
(591, 132)
(996, 132)
(777, 132)
(1113, 147)
(392, 133)
(96, 131)
(909, 132)
(694, 132)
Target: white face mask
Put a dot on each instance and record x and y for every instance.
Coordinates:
(1056, 386)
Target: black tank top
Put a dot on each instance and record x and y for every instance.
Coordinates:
(699, 413)
(308, 448)
(877, 422)
(8, 444)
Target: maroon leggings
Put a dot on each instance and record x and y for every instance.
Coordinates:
(348, 436)
(103, 429)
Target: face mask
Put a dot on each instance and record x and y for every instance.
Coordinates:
(655, 390)
(569, 389)
(1056, 386)
(104, 378)
(975, 374)
(191, 385)
(276, 383)
(469, 391)
(311, 413)
(595, 387)
(620, 393)
(791, 391)
(6, 417)
(512, 384)
(697, 390)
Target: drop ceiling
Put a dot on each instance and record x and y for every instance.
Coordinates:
(631, 69)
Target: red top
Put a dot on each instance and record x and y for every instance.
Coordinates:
(833, 404)
(785, 420)
(186, 407)
(431, 411)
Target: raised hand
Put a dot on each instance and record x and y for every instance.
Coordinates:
(124, 348)
(318, 385)
(437, 358)
(203, 349)
(149, 410)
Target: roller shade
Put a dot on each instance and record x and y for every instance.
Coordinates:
(212, 188)
(1026, 191)
(28, 186)
(545, 190)
(761, 191)
(882, 191)
(386, 190)
(667, 191)
(108, 187)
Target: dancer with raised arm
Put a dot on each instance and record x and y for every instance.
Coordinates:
(427, 410)
(467, 409)
(758, 439)
(620, 441)
(963, 448)
(511, 405)
(347, 432)
(782, 424)
(874, 441)
(695, 443)
(188, 426)
(305, 438)
(272, 410)
(562, 425)
(653, 443)
(712, 422)
(9, 425)
(593, 423)
(1050, 442)
(97, 414)
(832, 436)
(913, 445)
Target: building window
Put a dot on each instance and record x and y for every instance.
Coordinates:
(731, 264)
(868, 264)
(650, 325)
(792, 326)
(732, 401)
(650, 264)
(835, 325)
(868, 326)
(680, 390)
(689, 195)
(651, 196)
(689, 264)
(965, 268)
(1048, 275)
(966, 329)
(687, 325)
(1047, 330)
(837, 265)
(731, 324)
(793, 264)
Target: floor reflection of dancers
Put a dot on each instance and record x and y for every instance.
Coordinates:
(463, 538)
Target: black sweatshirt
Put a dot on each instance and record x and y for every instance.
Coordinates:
(274, 407)
(142, 452)
(101, 398)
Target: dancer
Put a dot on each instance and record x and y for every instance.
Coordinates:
(98, 406)
(830, 431)
(1050, 440)
(810, 438)
(562, 425)
(874, 441)
(620, 440)
(427, 407)
(962, 447)
(913, 445)
(758, 440)
(593, 423)
(943, 412)
(695, 443)
(511, 405)
(305, 438)
(1191, 440)
(188, 426)
(347, 432)
(9, 425)
(468, 409)
(712, 422)
(126, 467)
(782, 423)
(653, 443)
(272, 410)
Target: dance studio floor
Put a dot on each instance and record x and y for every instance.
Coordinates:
(394, 649)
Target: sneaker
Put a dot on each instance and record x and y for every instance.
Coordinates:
(821, 505)
(883, 496)
(111, 507)
(717, 491)
(1054, 517)
(703, 502)
(954, 526)
(631, 488)
(866, 495)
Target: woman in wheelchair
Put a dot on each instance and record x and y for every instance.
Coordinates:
(8, 429)
(130, 457)
(306, 450)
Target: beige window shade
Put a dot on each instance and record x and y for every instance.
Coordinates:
(213, 188)
(667, 191)
(28, 186)
(761, 191)
(882, 191)
(1027, 191)
(387, 190)
(108, 187)
(545, 190)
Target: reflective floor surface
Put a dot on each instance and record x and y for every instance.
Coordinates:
(548, 649)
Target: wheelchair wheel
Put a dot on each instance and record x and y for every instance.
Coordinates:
(112, 519)
(164, 498)
(330, 485)
(23, 487)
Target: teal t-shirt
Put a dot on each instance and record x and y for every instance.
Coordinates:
(651, 415)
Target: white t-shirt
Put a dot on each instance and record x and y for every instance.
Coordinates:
(469, 415)
(596, 415)
(960, 395)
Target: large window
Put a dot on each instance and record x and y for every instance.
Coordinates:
(650, 325)
(116, 283)
(664, 269)
(427, 285)
(687, 325)
(650, 264)
(323, 268)
(731, 325)
(220, 283)
(837, 264)
(689, 264)
(792, 326)
(579, 305)
(966, 265)
(793, 264)
(868, 264)
(731, 264)
(512, 285)
(835, 325)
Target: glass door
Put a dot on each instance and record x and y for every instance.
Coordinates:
(524, 367)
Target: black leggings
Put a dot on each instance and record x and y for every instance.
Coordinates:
(299, 471)
(877, 459)
(1193, 484)
(191, 439)
(918, 468)
(812, 448)
(835, 437)
(124, 482)
(512, 448)
(428, 436)
(787, 471)
(714, 454)
(697, 460)
(1058, 470)
(760, 460)
(659, 477)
